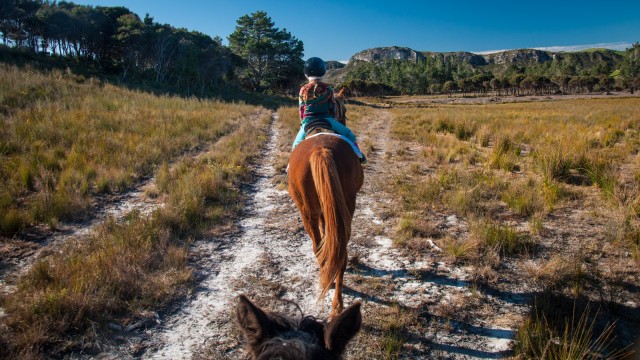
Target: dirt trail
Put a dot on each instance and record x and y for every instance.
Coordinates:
(270, 259)
(421, 283)
(19, 255)
(263, 250)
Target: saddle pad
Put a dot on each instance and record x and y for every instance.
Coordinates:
(355, 149)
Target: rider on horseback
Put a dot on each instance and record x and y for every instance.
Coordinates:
(317, 106)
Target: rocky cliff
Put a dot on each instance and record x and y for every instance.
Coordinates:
(460, 56)
(526, 56)
(520, 56)
(332, 65)
(496, 63)
(388, 53)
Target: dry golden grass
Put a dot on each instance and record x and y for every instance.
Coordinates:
(127, 267)
(520, 155)
(506, 171)
(63, 141)
(558, 329)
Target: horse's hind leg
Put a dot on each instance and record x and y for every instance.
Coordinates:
(311, 223)
(337, 304)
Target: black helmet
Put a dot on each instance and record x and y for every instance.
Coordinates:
(315, 67)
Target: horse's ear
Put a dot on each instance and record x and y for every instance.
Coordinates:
(343, 328)
(253, 321)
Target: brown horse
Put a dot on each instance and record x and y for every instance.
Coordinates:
(324, 177)
(273, 336)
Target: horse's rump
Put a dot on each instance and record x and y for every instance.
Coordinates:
(324, 177)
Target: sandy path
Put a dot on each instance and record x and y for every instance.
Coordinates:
(270, 259)
(21, 255)
(269, 248)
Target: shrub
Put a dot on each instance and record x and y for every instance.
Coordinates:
(550, 333)
(553, 163)
(12, 221)
(503, 239)
(523, 198)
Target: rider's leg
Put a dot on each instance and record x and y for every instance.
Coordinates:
(342, 130)
(346, 132)
(299, 137)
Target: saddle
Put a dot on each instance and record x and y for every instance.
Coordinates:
(318, 130)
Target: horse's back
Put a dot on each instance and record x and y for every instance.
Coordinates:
(340, 149)
(342, 154)
(346, 161)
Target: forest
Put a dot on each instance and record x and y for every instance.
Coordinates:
(115, 42)
(572, 73)
(261, 58)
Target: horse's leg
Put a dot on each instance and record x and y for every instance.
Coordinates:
(337, 305)
(311, 223)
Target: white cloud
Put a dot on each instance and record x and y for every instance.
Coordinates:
(486, 52)
(612, 46)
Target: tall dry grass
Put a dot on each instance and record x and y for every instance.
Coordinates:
(477, 149)
(125, 268)
(531, 160)
(65, 139)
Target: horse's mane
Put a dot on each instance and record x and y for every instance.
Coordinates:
(341, 109)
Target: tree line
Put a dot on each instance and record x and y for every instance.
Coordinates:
(438, 75)
(260, 57)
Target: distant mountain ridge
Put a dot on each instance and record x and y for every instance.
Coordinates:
(496, 62)
(500, 57)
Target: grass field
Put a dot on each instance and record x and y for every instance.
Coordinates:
(517, 174)
(546, 195)
(66, 140)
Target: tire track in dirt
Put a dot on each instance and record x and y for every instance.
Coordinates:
(423, 284)
(18, 256)
(134, 200)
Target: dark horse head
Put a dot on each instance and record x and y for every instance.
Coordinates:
(273, 336)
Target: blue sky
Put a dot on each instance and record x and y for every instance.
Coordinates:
(335, 30)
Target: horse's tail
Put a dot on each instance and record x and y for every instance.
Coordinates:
(332, 253)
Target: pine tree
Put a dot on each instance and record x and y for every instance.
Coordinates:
(630, 69)
(272, 57)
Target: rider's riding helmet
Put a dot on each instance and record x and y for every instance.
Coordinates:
(315, 67)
